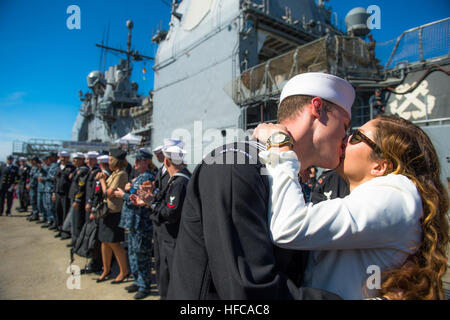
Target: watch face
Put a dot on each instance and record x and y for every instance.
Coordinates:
(278, 138)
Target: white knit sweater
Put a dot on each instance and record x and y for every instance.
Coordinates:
(376, 226)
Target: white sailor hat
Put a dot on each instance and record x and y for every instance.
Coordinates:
(79, 155)
(323, 85)
(175, 153)
(92, 155)
(173, 142)
(103, 158)
(158, 149)
(22, 159)
(63, 154)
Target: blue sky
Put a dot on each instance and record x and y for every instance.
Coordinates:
(43, 64)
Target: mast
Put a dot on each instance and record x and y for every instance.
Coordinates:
(135, 55)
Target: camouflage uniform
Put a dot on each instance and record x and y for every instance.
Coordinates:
(34, 175)
(48, 191)
(41, 192)
(139, 225)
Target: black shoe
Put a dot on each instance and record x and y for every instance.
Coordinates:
(58, 235)
(132, 288)
(141, 295)
(46, 225)
(86, 271)
(69, 245)
(41, 221)
(120, 281)
(89, 270)
(34, 219)
(65, 237)
(53, 227)
(20, 210)
(105, 278)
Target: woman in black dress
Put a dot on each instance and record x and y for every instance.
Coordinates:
(109, 233)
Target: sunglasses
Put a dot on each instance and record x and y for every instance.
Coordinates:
(357, 137)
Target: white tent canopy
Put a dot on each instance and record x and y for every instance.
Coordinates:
(129, 139)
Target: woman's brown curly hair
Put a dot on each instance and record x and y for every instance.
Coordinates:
(412, 154)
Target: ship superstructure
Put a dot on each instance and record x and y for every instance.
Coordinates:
(223, 63)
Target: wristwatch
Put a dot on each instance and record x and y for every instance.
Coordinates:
(278, 140)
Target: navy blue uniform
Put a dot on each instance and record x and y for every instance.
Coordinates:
(91, 185)
(167, 213)
(8, 178)
(161, 180)
(61, 191)
(224, 249)
(329, 186)
(23, 178)
(77, 194)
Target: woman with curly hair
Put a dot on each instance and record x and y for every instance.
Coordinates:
(394, 220)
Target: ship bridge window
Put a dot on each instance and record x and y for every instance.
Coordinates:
(196, 12)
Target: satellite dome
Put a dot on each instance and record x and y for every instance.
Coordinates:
(356, 22)
(94, 77)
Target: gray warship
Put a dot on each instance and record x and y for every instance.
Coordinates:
(112, 108)
(222, 64)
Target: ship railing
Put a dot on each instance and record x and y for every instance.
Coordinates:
(339, 55)
(362, 114)
(421, 43)
(36, 146)
(439, 121)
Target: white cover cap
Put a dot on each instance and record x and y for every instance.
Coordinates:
(92, 155)
(64, 154)
(158, 149)
(79, 155)
(174, 153)
(173, 142)
(323, 85)
(103, 159)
